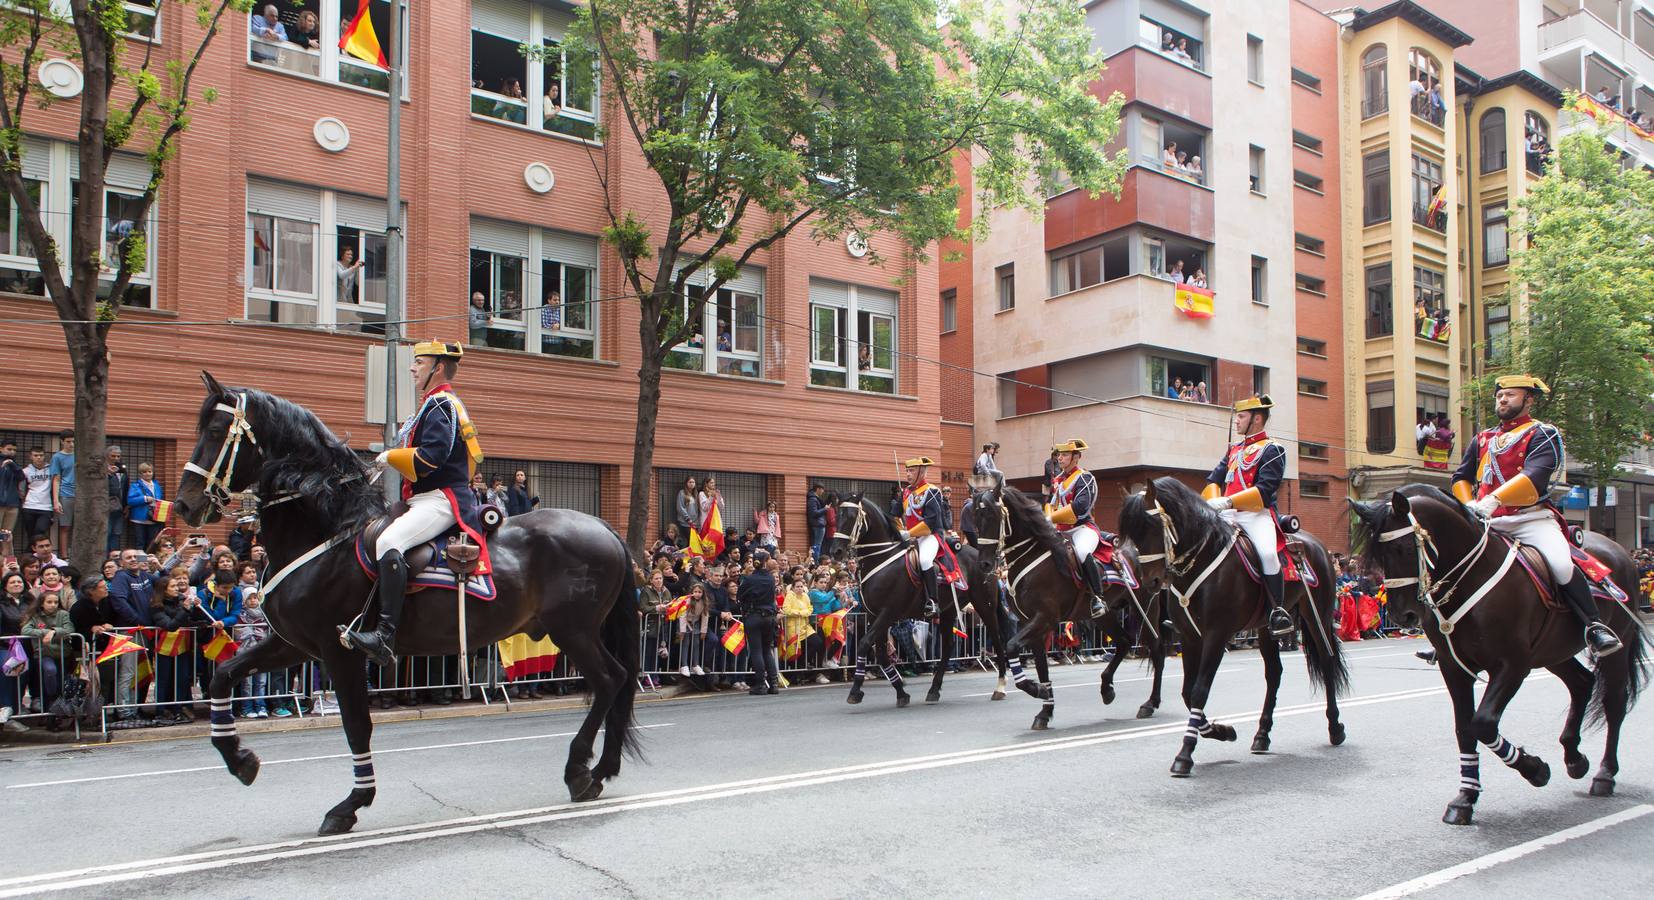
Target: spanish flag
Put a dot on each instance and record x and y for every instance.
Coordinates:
(708, 540)
(160, 511)
(360, 40)
(1437, 204)
(1066, 637)
(792, 645)
(832, 627)
(118, 644)
(1194, 302)
(520, 656)
(735, 639)
(674, 610)
(220, 648)
(143, 677)
(174, 643)
(960, 633)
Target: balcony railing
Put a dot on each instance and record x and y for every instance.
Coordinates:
(1425, 107)
(1436, 221)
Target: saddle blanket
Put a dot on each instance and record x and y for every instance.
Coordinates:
(1119, 572)
(436, 573)
(1597, 575)
(1292, 567)
(945, 560)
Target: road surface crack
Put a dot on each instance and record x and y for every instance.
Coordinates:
(439, 801)
(564, 855)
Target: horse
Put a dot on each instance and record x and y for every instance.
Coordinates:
(873, 540)
(556, 572)
(1483, 614)
(1046, 590)
(1216, 598)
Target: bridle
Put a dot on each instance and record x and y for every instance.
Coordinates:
(217, 488)
(1176, 563)
(1435, 591)
(860, 551)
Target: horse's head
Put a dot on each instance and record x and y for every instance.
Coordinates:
(1405, 535)
(855, 518)
(1169, 519)
(226, 460)
(989, 513)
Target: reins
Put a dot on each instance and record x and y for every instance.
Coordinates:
(1428, 556)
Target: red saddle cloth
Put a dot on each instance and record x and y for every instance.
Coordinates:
(945, 560)
(1293, 567)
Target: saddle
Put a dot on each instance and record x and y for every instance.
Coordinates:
(945, 560)
(1597, 575)
(1294, 565)
(439, 563)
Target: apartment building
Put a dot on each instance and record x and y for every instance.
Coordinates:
(807, 371)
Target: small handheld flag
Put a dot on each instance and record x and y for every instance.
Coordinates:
(220, 648)
(675, 609)
(118, 644)
(735, 639)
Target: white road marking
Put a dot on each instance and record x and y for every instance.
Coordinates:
(298, 759)
(1483, 863)
(135, 870)
(1170, 675)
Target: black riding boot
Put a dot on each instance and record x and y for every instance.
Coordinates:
(380, 643)
(932, 582)
(1280, 621)
(1093, 571)
(1599, 637)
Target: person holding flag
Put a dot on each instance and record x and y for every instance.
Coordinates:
(707, 538)
(923, 523)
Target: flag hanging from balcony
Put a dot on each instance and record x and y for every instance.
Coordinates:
(1432, 216)
(1194, 302)
(360, 40)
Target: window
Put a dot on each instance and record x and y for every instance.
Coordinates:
(1381, 417)
(1497, 325)
(1432, 401)
(1306, 141)
(1172, 147)
(847, 315)
(1072, 270)
(950, 310)
(19, 268)
(1304, 79)
(1254, 157)
(533, 289)
(1170, 42)
(1424, 87)
(1260, 280)
(1375, 91)
(549, 89)
(1254, 59)
(1313, 489)
(283, 261)
(1179, 378)
(1005, 277)
(742, 492)
(1313, 451)
(1307, 181)
(1310, 387)
(120, 219)
(316, 257)
(1260, 380)
(1309, 244)
(1495, 235)
(559, 485)
(1375, 188)
(305, 36)
(1492, 136)
(1429, 304)
(1311, 284)
(1427, 182)
(141, 17)
(1380, 309)
(1536, 141)
(731, 326)
(1312, 347)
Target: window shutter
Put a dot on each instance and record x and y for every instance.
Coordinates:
(876, 301)
(285, 200)
(505, 18)
(573, 249)
(499, 237)
(829, 293)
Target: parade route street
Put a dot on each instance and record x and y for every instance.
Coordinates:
(804, 795)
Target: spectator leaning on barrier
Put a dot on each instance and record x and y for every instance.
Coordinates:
(14, 599)
(175, 608)
(47, 622)
(251, 629)
(93, 616)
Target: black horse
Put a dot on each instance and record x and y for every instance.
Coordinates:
(1045, 592)
(1216, 598)
(889, 595)
(556, 572)
(1499, 625)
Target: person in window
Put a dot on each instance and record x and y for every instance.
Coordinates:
(1174, 391)
(1603, 99)
(551, 314)
(1200, 278)
(1416, 90)
(1424, 431)
(725, 343)
(266, 26)
(513, 88)
(1168, 42)
(1168, 159)
(479, 318)
(1202, 395)
(346, 271)
(1438, 106)
(307, 31)
(553, 99)
(1196, 170)
(1182, 51)
(1176, 273)
(864, 358)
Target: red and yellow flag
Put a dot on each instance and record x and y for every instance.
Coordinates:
(118, 644)
(708, 540)
(220, 648)
(832, 626)
(361, 41)
(735, 639)
(174, 643)
(1194, 302)
(143, 677)
(960, 633)
(674, 610)
(520, 656)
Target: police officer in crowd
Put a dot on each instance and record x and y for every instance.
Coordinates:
(756, 600)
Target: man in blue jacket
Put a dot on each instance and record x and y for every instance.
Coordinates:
(816, 512)
(130, 592)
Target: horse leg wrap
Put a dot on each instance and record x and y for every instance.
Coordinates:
(223, 721)
(1507, 752)
(1198, 725)
(893, 676)
(1047, 693)
(1018, 674)
(861, 670)
(1470, 772)
(363, 766)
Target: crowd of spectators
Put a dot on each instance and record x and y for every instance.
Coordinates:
(1181, 163)
(1192, 391)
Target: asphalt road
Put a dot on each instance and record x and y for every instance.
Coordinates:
(804, 795)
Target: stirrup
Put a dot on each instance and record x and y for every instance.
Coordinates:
(1612, 642)
(1280, 622)
(1098, 608)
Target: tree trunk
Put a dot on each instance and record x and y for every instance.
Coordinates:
(648, 415)
(88, 354)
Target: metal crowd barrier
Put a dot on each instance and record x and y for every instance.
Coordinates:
(31, 693)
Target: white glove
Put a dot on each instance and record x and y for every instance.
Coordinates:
(1485, 506)
(906, 535)
(383, 459)
(1220, 503)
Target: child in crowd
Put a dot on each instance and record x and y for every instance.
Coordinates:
(692, 632)
(251, 629)
(47, 621)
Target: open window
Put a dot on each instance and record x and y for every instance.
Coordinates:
(1425, 92)
(1093, 263)
(1173, 147)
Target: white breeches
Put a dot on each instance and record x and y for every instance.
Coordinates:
(1538, 529)
(1084, 540)
(428, 516)
(928, 547)
(1260, 530)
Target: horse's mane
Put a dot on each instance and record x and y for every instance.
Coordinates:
(1370, 517)
(861, 501)
(1027, 514)
(1416, 490)
(1195, 520)
(1134, 519)
(301, 456)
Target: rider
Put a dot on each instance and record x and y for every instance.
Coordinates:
(437, 456)
(922, 521)
(1242, 488)
(1073, 493)
(1504, 478)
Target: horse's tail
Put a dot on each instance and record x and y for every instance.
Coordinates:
(1636, 651)
(622, 635)
(1327, 665)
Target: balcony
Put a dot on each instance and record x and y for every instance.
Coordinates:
(1147, 196)
(1135, 309)
(1141, 431)
(1562, 41)
(1143, 76)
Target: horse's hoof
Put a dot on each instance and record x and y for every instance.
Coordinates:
(1602, 787)
(902, 700)
(997, 695)
(580, 783)
(854, 698)
(1577, 765)
(335, 824)
(246, 767)
(1041, 724)
(1335, 733)
(1458, 814)
(1146, 711)
(1108, 694)
(1221, 732)
(1182, 766)
(1534, 769)
(590, 793)
(1260, 743)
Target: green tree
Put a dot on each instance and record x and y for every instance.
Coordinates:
(760, 117)
(135, 97)
(1583, 302)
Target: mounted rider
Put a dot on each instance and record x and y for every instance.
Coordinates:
(1242, 487)
(1504, 478)
(1073, 494)
(924, 522)
(437, 456)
